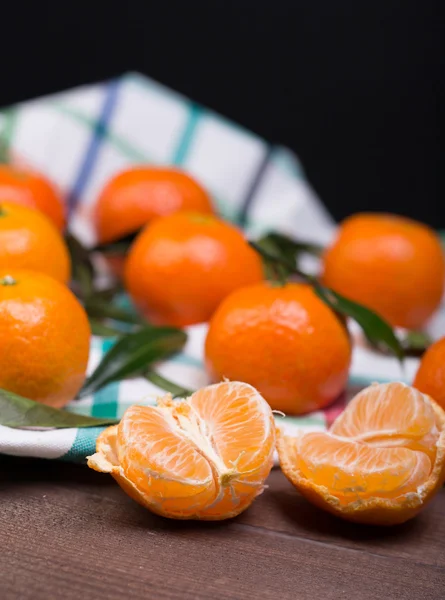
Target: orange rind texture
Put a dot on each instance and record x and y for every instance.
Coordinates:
(380, 463)
(205, 457)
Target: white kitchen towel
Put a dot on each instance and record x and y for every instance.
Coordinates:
(82, 137)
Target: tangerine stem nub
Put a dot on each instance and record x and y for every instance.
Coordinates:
(8, 280)
(227, 477)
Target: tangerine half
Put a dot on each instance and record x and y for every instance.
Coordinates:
(206, 457)
(381, 461)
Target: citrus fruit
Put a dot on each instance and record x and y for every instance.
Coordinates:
(381, 461)
(32, 189)
(29, 240)
(45, 338)
(206, 457)
(430, 377)
(391, 264)
(138, 195)
(282, 340)
(181, 267)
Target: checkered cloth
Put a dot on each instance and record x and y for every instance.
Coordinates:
(80, 138)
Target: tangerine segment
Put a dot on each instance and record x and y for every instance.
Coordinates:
(240, 428)
(392, 414)
(353, 471)
(159, 460)
(206, 457)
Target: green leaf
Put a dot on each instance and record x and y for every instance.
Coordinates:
(414, 343)
(133, 354)
(4, 152)
(117, 247)
(376, 329)
(274, 271)
(293, 248)
(102, 330)
(98, 308)
(286, 249)
(16, 411)
(82, 267)
(177, 391)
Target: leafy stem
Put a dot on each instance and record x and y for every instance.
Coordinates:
(376, 329)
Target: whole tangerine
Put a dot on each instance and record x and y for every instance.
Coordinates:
(430, 377)
(182, 266)
(31, 188)
(45, 338)
(282, 340)
(29, 240)
(391, 264)
(136, 196)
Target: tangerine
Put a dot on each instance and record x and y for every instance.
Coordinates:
(391, 264)
(381, 461)
(282, 340)
(29, 240)
(430, 377)
(183, 265)
(45, 338)
(206, 457)
(30, 188)
(136, 196)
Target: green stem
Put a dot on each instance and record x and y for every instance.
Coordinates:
(272, 257)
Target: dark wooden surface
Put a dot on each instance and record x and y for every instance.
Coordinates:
(69, 533)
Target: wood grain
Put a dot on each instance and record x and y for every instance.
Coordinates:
(70, 533)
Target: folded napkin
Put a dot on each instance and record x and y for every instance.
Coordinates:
(80, 138)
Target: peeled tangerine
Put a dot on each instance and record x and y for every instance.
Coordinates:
(381, 461)
(205, 457)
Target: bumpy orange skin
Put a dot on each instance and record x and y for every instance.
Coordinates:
(391, 264)
(282, 340)
(138, 195)
(45, 338)
(182, 266)
(32, 189)
(430, 377)
(29, 240)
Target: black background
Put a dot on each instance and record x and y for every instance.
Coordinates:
(355, 87)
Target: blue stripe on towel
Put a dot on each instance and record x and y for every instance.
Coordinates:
(187, 136)
(249, 197)
(95, 143)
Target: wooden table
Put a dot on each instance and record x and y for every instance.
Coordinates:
(69, 533)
